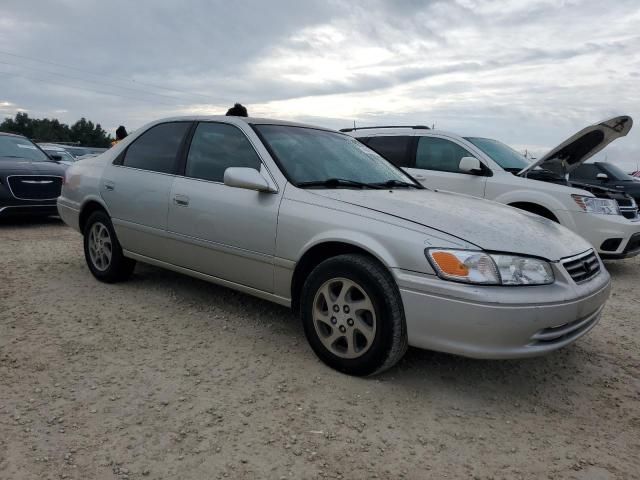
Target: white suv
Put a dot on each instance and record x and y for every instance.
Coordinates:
(489, 169)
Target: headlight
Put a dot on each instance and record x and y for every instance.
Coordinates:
(605, 206)
(489, 268)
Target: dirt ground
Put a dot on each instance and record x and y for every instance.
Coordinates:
(170, 377)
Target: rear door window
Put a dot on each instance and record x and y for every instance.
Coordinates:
(393, 148)
(157, 148)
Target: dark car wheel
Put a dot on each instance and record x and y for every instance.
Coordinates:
(102, 250)
(352, 315)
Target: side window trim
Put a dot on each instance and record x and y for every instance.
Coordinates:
(119, 160)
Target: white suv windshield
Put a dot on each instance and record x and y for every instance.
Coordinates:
(500, 153)
(19, 147)
(309, 156)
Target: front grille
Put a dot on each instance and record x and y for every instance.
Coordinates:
(35, 187)
(582, 267)
(628, 208)
(568, 330)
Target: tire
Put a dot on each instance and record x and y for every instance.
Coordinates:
(104, 257)
(369, 335)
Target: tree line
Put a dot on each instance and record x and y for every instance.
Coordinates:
(84, 132)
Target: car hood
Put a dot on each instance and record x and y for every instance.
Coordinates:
(581, 146)
(23, 166)
(489, 225)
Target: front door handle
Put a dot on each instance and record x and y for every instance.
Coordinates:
(420, 177)
(109, 185)
(181, 200)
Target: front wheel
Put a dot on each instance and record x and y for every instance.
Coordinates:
(102, 250)
(352, 315)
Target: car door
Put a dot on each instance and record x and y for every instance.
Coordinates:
(137, 185)
(223, 231)
(436, 166)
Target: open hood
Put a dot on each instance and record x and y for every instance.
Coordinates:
(581, 146)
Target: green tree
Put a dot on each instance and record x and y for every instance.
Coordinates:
(84, 131)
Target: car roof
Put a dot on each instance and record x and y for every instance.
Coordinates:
(239, 120)
(393, 131)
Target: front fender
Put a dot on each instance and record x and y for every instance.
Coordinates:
(358, 239)
(542, 199)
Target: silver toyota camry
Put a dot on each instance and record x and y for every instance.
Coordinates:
(312, 219)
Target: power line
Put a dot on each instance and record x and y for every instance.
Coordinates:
(88, 81)
(62, 65)
(48, 81)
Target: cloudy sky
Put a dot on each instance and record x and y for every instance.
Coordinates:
(529, 73)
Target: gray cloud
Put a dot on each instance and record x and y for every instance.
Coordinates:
(525, 72)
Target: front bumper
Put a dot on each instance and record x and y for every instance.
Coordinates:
(597, 229)
(499, 322)
(27, 210)
(11, 206)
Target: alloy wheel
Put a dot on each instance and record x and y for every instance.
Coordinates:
(100, 246)
(344, 318)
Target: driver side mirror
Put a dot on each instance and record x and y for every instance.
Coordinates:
(603, 177)
(55, 157)
(248, 178)
(470, 165)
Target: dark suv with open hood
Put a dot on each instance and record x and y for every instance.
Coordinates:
(607, 175)
(30, 181)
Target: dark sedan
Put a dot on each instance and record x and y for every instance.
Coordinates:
(30, 181)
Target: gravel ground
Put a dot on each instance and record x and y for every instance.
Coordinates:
(170, 377)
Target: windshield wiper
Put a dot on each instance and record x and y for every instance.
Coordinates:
(398, 183)
(338, 182)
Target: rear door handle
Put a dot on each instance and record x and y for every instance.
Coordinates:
(181, 200)
(420, 177)
(109, 185)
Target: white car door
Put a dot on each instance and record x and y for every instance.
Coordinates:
(223, 231)
(437, 161)
(136, 188)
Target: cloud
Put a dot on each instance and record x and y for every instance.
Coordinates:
(526, 72)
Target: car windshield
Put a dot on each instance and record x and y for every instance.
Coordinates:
(616, 173)
(20, 147)
(500, 153)
(311, 156)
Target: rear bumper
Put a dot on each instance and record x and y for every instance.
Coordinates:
(499, 322)
(69, 214)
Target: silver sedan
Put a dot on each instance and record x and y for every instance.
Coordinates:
(310, 218)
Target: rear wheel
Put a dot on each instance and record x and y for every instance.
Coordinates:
(102, 250)
(353, 316)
